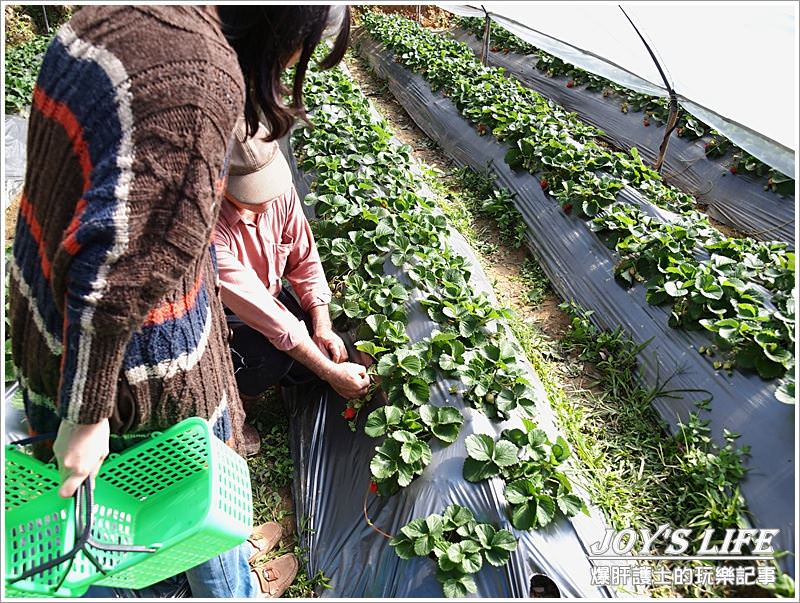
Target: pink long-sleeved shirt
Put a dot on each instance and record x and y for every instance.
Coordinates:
(253, 256)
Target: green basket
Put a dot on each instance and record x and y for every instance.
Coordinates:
(182, 494)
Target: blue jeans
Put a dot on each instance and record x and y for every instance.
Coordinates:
(257, 364)
(226, 576)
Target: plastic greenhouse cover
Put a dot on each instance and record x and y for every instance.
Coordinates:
(738, 201)
(750, 99)
(16, 424)
(580, 268)
(16, 138)
(332, 475)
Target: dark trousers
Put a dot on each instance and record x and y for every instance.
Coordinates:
(257, 364)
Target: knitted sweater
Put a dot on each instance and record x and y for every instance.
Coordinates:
(115, 305)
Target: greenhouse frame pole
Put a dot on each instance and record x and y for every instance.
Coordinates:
(487, 33)
(672, 121)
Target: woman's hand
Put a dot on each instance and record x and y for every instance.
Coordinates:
(330, 344)
(79, 451)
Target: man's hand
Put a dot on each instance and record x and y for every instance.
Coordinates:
(349, 380)
(330, 344)
(80, 450)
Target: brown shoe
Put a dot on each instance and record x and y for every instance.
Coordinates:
(250, 403)
(251, 441)
(276, 576)
(264, 538)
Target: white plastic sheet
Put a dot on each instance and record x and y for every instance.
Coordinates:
(734, 66)
(16, 134)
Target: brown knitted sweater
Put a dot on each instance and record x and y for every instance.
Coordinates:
(114, 300)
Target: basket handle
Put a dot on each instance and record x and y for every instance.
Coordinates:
(33, 439)
(83, 501)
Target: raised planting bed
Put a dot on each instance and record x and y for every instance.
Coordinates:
(737, 189)
(410, 294)
(582, 268)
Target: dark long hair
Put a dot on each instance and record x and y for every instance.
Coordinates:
(265, 38)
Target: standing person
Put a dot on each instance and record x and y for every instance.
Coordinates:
(262, 236)
(117, 326)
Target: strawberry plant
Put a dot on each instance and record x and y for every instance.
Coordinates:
(364, 185)
(22, 65)
(405, 452)
(398, 460)
(499, 205)
(529, 464)
(361, 298)
(495, 381)
(458, 308)
(340, 255)
(406, 374)
(458, 544)
(384, 334)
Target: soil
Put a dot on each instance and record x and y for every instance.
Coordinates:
(11, 218)
(430, 15)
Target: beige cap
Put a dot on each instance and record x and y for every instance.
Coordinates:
(258, 172)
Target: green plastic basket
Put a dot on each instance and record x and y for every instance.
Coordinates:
(183, 493)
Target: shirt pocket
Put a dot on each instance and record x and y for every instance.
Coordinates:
(277, 267)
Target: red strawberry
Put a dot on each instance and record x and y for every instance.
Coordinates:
(646, 122)
(543, 183)
(373, 487)
(733, 169)
(349, 413)
(570, 84)
(707, 146)
(568, 208)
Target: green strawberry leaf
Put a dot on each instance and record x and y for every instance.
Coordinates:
(417, 391)
(570, 504)
(403, 546)
(380, 419)
(480, 447)
(476, 471)
(484, 534)
(456, 516)
(414, 451)
(505, 453)
(520, 491)
(545, 510)
(523, 517)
